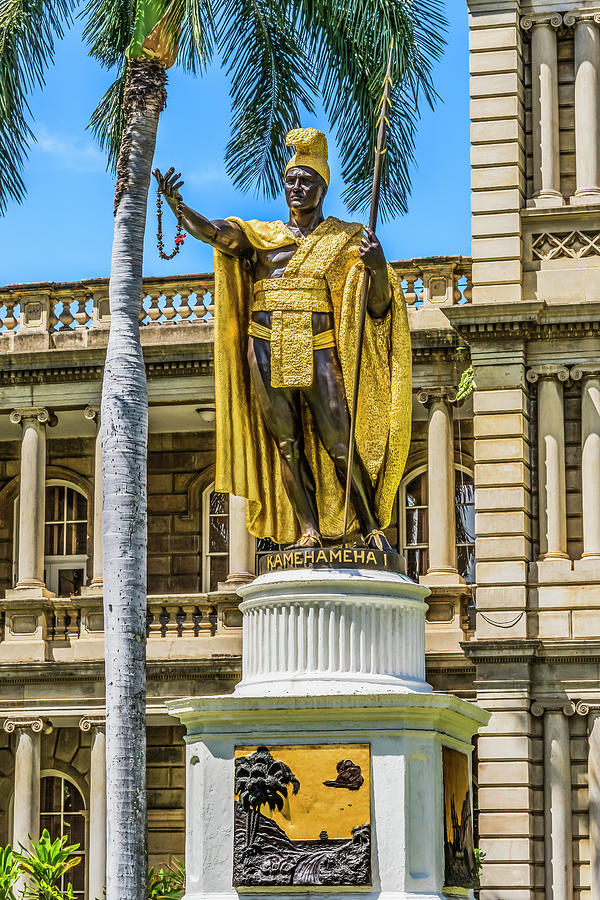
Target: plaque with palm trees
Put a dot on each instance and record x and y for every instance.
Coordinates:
(302, 815)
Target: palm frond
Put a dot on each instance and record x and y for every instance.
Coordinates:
(350, 42)
(28, 31)
(271, 77)
(107, 122)
(197, 35)
(108, 29)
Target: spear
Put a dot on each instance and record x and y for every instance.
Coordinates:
(382, 125)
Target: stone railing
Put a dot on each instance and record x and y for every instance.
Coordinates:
(436, 280)
(73, 628)
(55, 308)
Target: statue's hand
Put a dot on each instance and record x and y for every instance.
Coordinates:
(371, 252)
(168, 184)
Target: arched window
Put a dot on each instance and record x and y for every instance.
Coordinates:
(65, 542)
(215, 537)
(415, 525)
(62, 812)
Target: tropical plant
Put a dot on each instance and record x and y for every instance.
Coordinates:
(279, 54)
(167, 883)
(261, 780)
(45, 864)
(9, 873)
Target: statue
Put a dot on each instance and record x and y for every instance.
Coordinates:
(286, 305)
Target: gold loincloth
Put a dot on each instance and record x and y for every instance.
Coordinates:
(291, 303)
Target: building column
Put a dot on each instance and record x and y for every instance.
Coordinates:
(26, 812)
(587, 60)
(558, 831)
(97, 809)
(593, 717)
(590, 464)
(95, 586)
(440, 486)
(551, 461)
(544, 86)
(32, 496)
(242, 546)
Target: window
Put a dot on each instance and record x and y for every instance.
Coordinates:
(65, 541)
(62, 812)
(264, 546)
(416, 531)
(215, 538)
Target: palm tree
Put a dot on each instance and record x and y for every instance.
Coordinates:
(261, 780)
(280, 55)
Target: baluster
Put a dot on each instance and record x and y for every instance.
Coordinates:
(66, 319)
(410, 294)
(52, 317)
(60, 624)
(184, 309)
(171, 625)
(456, 291)
(188, 625)
(81, 316)
(204, 624)
(169, 311)
(468, 290)
(155, 628)
(73, 623)
(9, 321)
(153, 312)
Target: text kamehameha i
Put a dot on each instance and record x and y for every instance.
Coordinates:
(330, 558)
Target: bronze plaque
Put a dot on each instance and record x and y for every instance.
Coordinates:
(331, 558)
(302, 815)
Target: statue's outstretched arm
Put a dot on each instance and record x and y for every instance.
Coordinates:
(226, 236)
(372, 255)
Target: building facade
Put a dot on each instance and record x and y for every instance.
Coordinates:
(498, 511)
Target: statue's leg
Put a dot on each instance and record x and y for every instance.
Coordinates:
(327, 401)
(281, 411)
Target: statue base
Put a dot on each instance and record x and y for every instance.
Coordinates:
(363, 773)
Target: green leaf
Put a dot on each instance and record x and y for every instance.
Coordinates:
(28, 31)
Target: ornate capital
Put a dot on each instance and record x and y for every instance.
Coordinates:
(553, 19)
(536, 372)
(92, 411)
(584, 15)
(45, 416)
(553, 704)
(35, 723)
(440, 392)
(582, 370)
(86, 723)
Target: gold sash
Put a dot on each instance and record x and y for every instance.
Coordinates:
(291, 302)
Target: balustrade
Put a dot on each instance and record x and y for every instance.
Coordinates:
(56, 309)
(59, 309)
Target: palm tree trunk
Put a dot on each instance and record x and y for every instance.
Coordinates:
(124, 422)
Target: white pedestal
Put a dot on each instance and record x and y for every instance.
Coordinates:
(330, 657)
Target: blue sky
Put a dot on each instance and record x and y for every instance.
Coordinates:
(63, 230)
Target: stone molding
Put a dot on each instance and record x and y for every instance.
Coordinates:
(531, 19)
(440, 392)
(582, 15)
(86, 723)
(558, 704)
(43, 415)
(92, 412)
(582, 370)
(35, 723)
(547, 371)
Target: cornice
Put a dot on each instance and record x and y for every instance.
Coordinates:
(539, 652)
(527, 320)
(214, 668)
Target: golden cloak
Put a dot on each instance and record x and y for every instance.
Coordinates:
(247, 459)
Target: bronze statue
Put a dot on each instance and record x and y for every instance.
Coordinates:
(286, 303)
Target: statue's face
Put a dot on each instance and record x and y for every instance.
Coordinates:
(304, 189)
